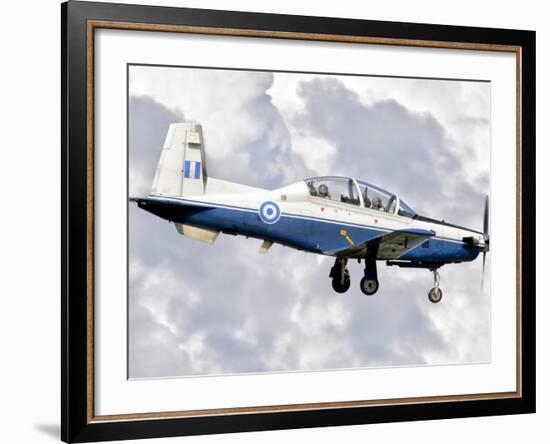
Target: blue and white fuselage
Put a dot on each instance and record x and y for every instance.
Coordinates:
(335, 216)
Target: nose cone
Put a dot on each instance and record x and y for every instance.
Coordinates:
(474, 243)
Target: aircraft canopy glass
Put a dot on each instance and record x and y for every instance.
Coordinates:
(357, 192)
(339, 189)
(377, 198)
(405, 210)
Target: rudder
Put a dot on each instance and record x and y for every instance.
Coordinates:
(181, 170)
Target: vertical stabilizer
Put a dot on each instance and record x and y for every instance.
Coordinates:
(181, 170)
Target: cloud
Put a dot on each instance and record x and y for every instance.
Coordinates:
(408, 152)
(148, 122)
(199, 309)
(244, 133)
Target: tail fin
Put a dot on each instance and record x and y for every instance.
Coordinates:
(181, 170)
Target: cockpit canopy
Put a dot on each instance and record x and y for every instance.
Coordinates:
(358, 193)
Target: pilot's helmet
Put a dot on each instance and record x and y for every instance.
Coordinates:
(376, 202)
(323, 190)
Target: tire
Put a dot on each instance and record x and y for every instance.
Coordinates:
(369, 286)
(337, 284)
(435, 295)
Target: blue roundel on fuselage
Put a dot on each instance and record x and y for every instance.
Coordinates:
(269, 212)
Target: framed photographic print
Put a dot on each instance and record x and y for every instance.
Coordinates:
(275, 221)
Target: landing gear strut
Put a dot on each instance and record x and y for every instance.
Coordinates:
(369, 283)
(340, 275)
(435, 294)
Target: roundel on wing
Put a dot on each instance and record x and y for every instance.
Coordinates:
(269, 212)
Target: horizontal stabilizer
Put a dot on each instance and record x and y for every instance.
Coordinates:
(144, 202)
(199, 234)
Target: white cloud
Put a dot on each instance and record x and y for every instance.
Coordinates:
(208, 97)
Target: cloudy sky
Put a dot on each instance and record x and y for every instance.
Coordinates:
(196, 309)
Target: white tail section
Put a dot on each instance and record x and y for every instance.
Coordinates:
(181, 170)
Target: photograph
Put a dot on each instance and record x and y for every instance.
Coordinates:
(276, 221)
(284, 221)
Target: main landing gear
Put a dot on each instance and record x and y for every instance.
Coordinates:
(341, 278)
(340, 275)
(435, 294)
(369, 282)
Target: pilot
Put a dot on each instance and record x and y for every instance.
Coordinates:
(377, 203)
(366, 200)
(323, 191)
(312, 189)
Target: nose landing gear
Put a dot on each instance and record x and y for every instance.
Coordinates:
(340, 275)
(435, 294)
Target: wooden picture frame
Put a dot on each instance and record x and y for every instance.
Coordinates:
(79, 22)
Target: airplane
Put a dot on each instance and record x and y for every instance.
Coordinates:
(341, 217)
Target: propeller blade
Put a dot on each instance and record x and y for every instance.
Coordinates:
(483, 271)
(486, 220)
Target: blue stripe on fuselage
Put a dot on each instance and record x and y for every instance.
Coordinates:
(305, 233)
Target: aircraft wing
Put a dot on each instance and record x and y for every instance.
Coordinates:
(390, 245)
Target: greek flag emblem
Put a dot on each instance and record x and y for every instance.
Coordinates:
(192, 169)
(269, 212)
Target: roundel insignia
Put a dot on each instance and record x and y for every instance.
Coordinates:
(269, 212)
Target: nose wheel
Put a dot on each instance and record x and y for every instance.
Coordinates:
(435, 294)
(340, 276)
